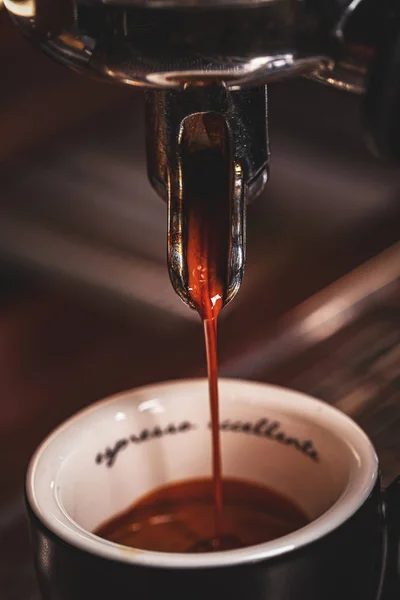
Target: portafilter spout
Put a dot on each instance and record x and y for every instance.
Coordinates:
(233, 124)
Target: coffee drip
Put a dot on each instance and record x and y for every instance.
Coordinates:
(207, 208)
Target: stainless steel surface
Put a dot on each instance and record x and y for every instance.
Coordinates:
(167, 43)
(208, 53)
(224, 48)
(349, 69)
(233, 125)
(168, 47)
(324, 314)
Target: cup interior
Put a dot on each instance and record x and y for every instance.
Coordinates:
(110, 455)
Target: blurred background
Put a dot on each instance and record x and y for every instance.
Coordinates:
(86, 307)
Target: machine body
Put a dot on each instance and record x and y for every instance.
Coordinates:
(216, 57)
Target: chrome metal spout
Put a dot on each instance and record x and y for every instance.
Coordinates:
(197, 118)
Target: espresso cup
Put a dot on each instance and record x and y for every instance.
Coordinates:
(100, 461)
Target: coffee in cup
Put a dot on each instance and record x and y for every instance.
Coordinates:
(179, 517)
(115, 454)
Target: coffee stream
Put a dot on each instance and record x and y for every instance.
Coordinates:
(196, 516)
(207, 206)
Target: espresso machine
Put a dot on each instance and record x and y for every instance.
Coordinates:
(200, 57)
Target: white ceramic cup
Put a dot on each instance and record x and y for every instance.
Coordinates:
(109, 455)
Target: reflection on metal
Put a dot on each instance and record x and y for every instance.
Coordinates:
(21, 8)
(119, 35)
(72, 41)
(341, 79)
(129, 278)
(322, 315)
(233, 125)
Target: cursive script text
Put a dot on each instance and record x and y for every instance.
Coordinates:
(273, 431)
(111, 452)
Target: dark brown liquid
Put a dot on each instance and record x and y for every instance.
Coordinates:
(180, 518)
(206, 197)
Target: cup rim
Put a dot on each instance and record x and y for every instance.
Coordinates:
(360, 486)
